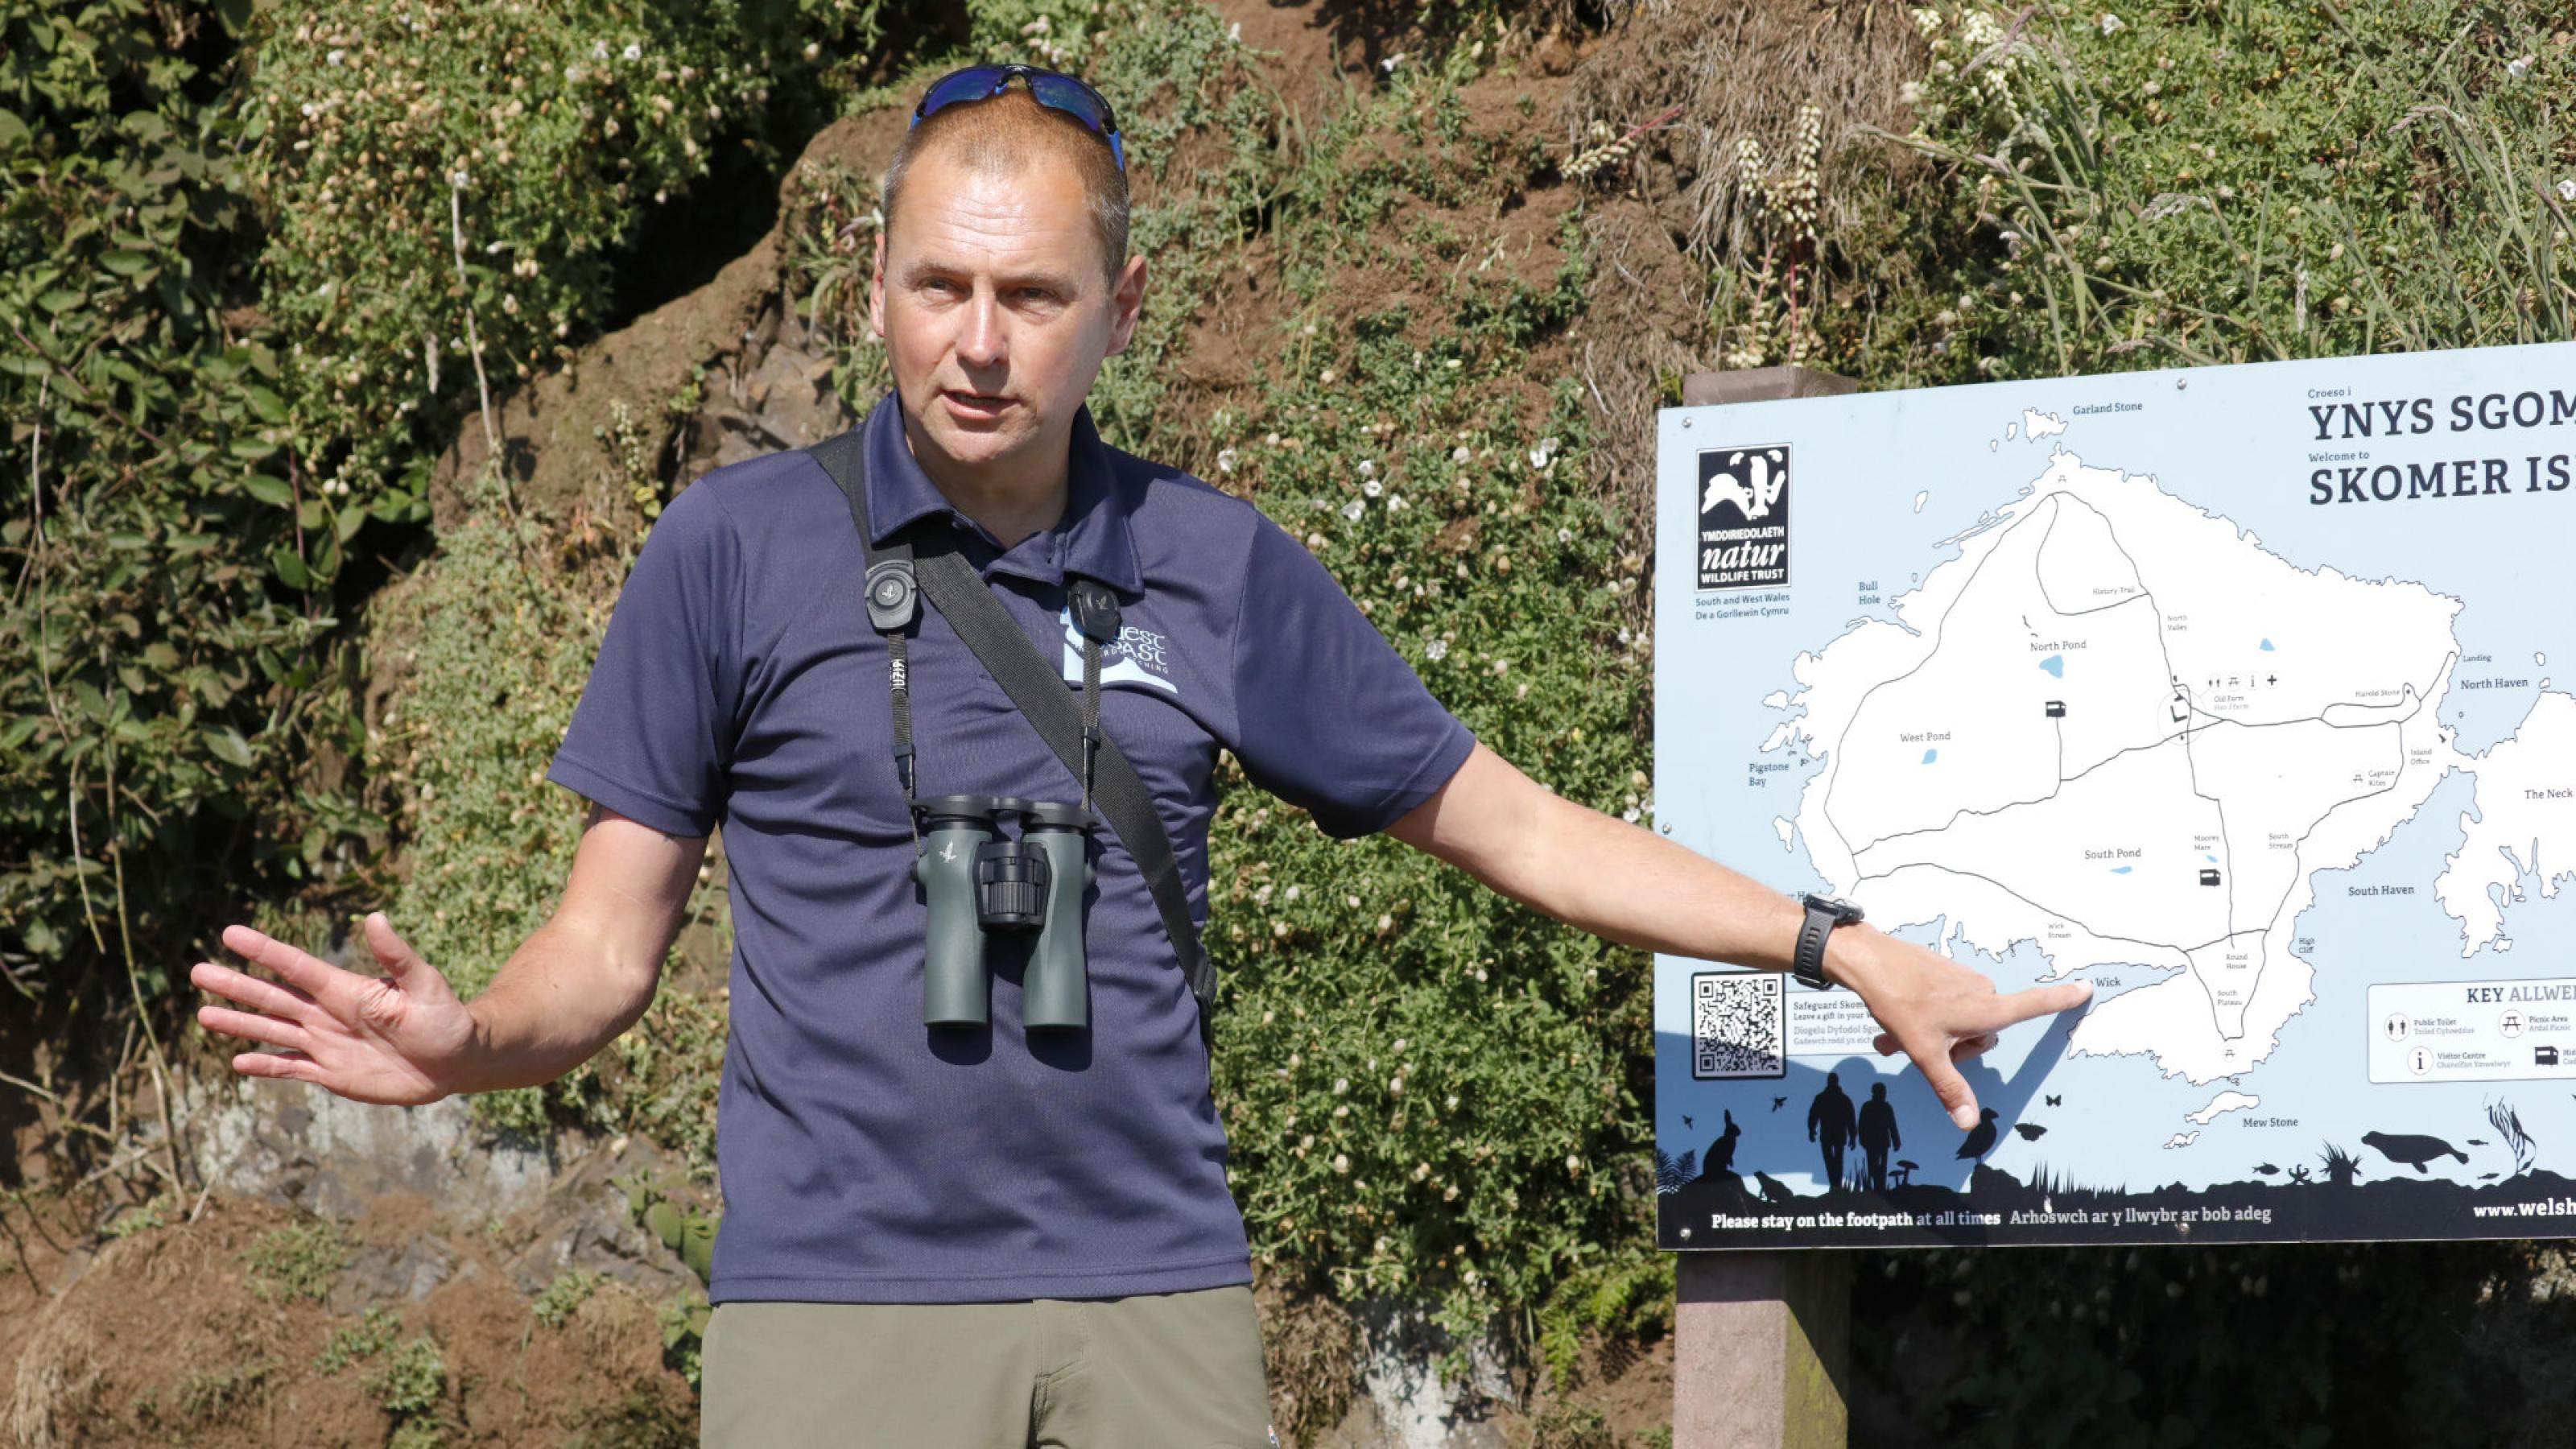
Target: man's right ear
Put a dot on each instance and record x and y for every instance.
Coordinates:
(876, 289)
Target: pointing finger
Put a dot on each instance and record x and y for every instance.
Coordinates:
(2003, 1011)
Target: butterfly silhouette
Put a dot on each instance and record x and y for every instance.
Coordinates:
(2056, 1101)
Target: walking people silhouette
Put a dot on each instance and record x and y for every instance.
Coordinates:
(1829, 1122)
(1878, 1134)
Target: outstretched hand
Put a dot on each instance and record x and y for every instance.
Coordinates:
(399, 1039)
(1935, 1010)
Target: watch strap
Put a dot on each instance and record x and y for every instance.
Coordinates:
(1808, 964)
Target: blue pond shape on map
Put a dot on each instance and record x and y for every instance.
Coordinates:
(2055, 664)
(1930, 755)
(2122, 869)
(2267, 646)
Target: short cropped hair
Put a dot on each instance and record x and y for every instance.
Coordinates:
(1001, 135)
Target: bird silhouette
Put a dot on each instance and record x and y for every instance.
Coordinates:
(2030, 1131)
(2477, 1142)
(2413, 1149)
(2487, 1176)
(1773, 1189)
(2265, 1168)
(1687, 1122)
(1981, 1138)
(1779, 1102)
(2056, 1101)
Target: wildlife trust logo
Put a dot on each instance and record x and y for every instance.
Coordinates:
(1744, 517)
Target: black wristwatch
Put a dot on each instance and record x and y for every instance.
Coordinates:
(1823, 914)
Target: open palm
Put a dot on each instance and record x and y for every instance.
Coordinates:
(399, 1039)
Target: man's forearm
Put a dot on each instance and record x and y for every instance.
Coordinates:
(1631, 885)
(554, 1004)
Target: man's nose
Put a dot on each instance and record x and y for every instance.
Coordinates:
(983, 341)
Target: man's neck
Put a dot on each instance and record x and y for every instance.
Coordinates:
(1010, 500)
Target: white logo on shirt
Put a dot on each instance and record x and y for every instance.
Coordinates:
(1140, 656)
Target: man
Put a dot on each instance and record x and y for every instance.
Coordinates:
(988, 1236)
(1878, 1134)
(1831, 1114)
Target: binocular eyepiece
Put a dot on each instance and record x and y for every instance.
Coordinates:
(979, 881)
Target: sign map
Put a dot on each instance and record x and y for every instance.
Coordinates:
(2227, 690)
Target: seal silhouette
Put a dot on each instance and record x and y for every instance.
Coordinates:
(2413, 1149)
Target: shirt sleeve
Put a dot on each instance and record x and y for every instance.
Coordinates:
(652, 736)
(1328, 717)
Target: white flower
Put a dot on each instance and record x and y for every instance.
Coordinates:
(1544, 454)
(1372, 488)
(459, 178)
(634, 51)
(1341, 1162)
(1391, 62)
(1341, 1085)
(2518, 67)
(2567, 189)
(599, 50)
(1352, 509)
(813, 50)
(1397, 504)
(1225, 460)
(1234, 33)
(1438, 650)
(1565, 535)
(334, 57)
(1461, 453)
(1295, 891)
(572, 75)
(2111, 24)
(1368, 467)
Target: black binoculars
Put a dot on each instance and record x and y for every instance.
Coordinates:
(978, 880)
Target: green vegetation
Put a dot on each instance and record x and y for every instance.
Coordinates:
(567, 1293)
(408, 1384)
(298, 1262)
(364, 1339)
(2187, 182)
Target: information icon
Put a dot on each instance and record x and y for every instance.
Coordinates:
(2419, 1061)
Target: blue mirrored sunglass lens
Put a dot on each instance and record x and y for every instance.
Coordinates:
(972, 84)
(1072, 97)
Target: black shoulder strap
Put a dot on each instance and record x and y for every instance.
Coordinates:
(966, 601)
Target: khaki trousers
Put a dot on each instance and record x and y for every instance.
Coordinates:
(1151, 1371)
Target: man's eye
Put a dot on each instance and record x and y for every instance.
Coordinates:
(1036, 295)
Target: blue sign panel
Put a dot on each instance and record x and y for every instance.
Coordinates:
(2228, 690)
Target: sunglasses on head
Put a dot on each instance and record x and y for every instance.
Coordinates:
(1049, 88)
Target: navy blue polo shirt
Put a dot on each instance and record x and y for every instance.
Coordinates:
(863, 1156)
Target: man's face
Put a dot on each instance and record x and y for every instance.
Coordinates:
(995, 308)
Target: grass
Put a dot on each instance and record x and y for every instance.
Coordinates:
(297, 1262)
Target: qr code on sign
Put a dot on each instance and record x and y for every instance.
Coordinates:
(1739, 1025)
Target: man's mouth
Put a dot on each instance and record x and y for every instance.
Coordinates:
(974, 405)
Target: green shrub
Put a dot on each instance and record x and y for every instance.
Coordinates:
(2190, 183)
(371, 1335)
(412, 1378)
(298, 1262)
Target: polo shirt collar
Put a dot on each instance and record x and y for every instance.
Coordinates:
(1091, 539)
